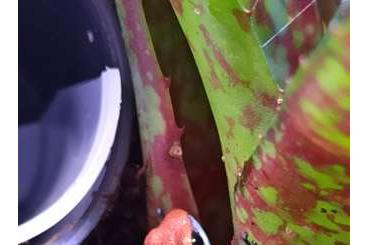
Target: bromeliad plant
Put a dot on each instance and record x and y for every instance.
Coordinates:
(276, 74)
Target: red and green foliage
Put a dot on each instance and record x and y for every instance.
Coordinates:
(167, 182)
(276, 75)
(295, 188)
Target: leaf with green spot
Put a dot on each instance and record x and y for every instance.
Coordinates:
(269, 222)
(230, 56)
(168, 184)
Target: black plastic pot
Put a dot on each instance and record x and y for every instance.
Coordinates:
(62, 43)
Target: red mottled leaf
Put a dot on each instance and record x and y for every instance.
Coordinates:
(167, 182)
(200, 143)
(297, 188)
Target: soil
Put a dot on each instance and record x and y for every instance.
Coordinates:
(125, 222)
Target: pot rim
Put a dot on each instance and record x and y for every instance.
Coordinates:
(96, 159)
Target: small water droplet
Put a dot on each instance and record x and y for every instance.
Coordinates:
(176, 150)
(197, 11)
(160, 212)
(280, 100)
(288, 231)
(223, 158)
(281, 90)
(239, 172)
(247, 11)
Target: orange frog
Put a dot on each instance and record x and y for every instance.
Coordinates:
(177, 228)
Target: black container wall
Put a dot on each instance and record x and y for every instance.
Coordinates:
(60, 43)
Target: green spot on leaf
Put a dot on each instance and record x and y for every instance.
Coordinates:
(298, 38)
(242, 215)
(166, 201)
(334, 79)
(257, 162)
(307, 236)
(156, 185)
(315, 216)
(324, 122)
(151, 105)
(269, 149)
(268, 194)
(323, 179)
(309, 186)
(267, 221)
